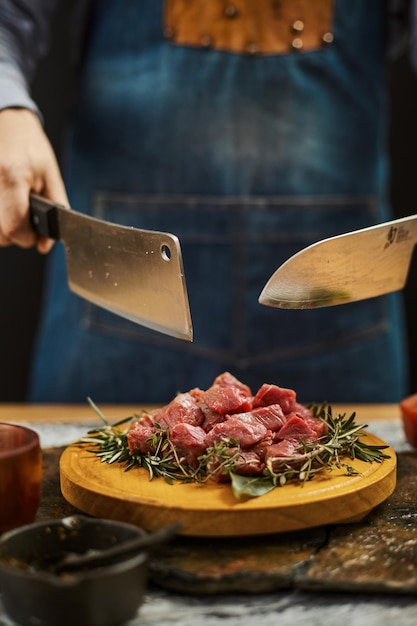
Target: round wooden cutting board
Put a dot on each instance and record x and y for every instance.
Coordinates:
(211, 510)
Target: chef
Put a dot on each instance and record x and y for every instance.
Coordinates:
(248, 129)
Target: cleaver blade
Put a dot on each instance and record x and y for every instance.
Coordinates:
(354, 266)
(137, 274)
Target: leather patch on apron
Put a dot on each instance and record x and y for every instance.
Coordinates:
(250, 26)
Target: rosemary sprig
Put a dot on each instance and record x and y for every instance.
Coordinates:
(342, 441)
(344, 436)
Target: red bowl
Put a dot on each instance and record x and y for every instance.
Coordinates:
(20, 475)
(408, 408)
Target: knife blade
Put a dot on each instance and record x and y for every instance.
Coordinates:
(353, 266)
(134, 273)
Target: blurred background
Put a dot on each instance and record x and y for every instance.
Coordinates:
(21, 271)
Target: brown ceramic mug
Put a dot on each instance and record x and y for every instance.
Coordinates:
(20, 475)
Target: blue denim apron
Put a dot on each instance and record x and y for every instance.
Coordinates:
(247, 158)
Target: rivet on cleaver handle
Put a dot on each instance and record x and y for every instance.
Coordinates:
(354, 266)
(137, 274)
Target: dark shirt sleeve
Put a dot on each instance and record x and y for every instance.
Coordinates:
(402, 29)
(24, 39)
(413, 34)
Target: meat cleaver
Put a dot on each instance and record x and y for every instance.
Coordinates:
(354, 266)
(137, 274)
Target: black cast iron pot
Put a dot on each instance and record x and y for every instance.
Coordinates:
(34, 595)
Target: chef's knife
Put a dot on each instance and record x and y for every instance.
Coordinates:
(137, 274)
(354, 266)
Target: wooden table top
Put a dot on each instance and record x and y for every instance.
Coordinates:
(83, 413)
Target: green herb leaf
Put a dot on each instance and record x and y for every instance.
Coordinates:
(250, 486)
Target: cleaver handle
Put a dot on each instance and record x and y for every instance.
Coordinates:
(44, 215)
